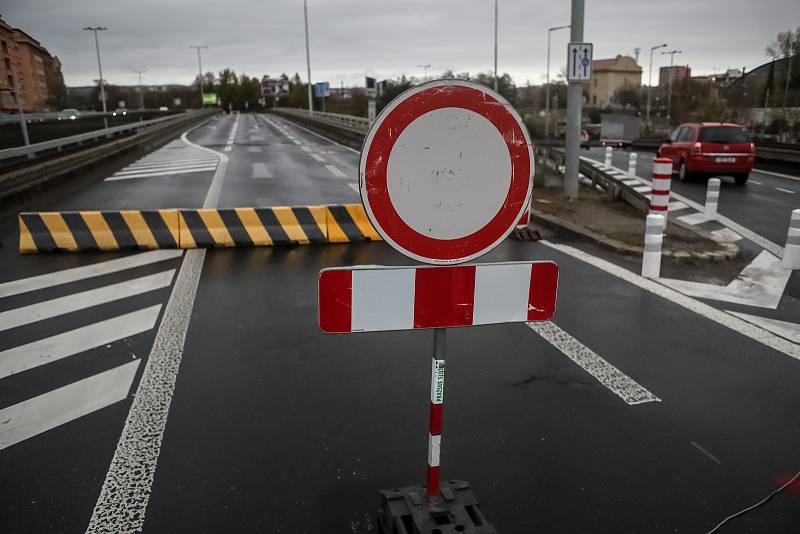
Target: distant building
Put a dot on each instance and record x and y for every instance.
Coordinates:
(25, 61)
(610, 75)
(676, 73)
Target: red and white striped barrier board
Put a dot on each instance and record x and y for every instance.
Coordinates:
(662, 182)
(374, 298)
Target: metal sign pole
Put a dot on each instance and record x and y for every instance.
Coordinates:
(437, 399)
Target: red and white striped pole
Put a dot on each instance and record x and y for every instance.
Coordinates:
(437, 398)
(662, 182)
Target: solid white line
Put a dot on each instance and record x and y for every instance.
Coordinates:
(785, 190)
(317, 157)
(123, 498)
(702, 450)
(785, 329)
(31, 417)
(50, 349)
(116, 178)
(779, 175)
(86, 299)
(336, 172)
(709, 312)
(74, 274)
(618, 382)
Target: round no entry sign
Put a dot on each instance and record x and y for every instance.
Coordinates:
(446, 171)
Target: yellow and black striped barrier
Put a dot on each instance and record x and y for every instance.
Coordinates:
(193, 228)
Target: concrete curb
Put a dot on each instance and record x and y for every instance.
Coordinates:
(731, 250)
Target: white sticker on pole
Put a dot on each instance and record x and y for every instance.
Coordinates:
(579, 62)
(446, 171)
(437, 381)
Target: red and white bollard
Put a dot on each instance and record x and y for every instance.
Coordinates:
(651, 259)
(437, 399)
(662, 182)
(609, 154)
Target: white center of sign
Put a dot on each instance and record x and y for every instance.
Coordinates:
(457, 162)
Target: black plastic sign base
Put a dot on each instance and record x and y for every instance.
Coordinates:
(454, 511)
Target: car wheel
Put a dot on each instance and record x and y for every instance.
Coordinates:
(683, 172)
(741, 179)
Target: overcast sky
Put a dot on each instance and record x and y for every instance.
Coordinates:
(383, 38)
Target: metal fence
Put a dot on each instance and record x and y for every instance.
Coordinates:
(356, 124)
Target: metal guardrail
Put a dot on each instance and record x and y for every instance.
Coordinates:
(57, 144)
(351, 122)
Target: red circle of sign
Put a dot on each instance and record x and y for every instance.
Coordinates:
(380, 148)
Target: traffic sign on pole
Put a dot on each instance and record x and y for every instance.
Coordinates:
(579, 62)
(446, 171)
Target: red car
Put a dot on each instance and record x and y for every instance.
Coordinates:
(710, 148)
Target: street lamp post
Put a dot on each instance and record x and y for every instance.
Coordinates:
(496, 82)
(671, 55)
(200, 70)
(308, 60)
(425, 70)
(96, 29)
(547, 85)
(650, 84)
(141, 91)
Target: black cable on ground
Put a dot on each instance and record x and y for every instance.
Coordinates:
(756, 505)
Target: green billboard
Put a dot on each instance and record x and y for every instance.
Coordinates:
(209, 99)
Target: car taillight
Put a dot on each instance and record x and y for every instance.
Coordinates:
(752, 147)
(697, 149)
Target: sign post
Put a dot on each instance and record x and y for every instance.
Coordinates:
(579, 66)
(445, 175)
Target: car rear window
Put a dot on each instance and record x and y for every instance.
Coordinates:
(724, 134)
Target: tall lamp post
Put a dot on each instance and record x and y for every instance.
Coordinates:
(650, 84)
(96, 29)
(141, 91)
(671, 55)
(547, 85)
(200, 70)
(308, 60)
(496, 81)
(425, 70)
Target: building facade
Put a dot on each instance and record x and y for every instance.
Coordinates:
(25, 64)
(611, 75)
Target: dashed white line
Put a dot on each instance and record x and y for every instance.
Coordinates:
(317, 157)
(785, 190)
(336, 172)
(755, 182)
(618, 382)
(779, 175)
(306, 148)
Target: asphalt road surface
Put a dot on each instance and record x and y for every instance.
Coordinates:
(636, 410)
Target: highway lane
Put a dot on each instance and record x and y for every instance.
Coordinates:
(764, 204)
(275, 426)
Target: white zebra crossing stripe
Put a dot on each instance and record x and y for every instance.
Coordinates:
(86, 299)
(336, 172)
(31, 417)
(57, 278)
(693, 218)
(162, 173)
(168, 164)
(166, 169)
(50, 349)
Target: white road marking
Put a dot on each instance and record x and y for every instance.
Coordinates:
(295, 141)
(317, 157)
(779, 175)
(642, 189)
(785, 190)
(709, 312)
(785, 329)
(50, 349)
(759, 284)
(354, 187)
(254, 149)
(123, 499)
(755, 182)
(74, 274)
(31, 417)
(169, 163)
(618, 382)
(167, 169)
(726, 235)
(312, 132)
(116, 178)
(704, 451)
(227, 148)
(693, 218)
(86, 299)
(306, 148)
(336, 172)
(255, 138)
(677, 206)
(260, 170)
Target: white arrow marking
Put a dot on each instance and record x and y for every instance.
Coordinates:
(759, 284)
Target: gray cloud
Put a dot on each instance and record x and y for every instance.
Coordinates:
(351, 38)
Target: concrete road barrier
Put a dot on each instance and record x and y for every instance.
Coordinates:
(195, 228)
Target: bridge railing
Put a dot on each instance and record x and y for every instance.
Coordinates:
(357, 124)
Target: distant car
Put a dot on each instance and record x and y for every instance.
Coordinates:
(69, 114)
(584, 139)
(710, 149)
(119, 111)
(615, 143)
